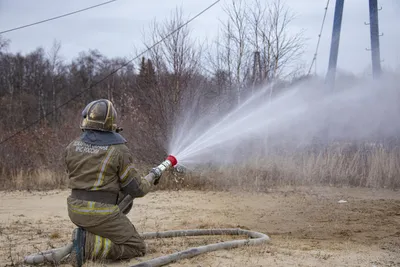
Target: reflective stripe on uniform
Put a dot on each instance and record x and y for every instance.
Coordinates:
(102, 246)
(92, 210)
(97, 245)
(125, 175)
(106, 247)
(105, 162)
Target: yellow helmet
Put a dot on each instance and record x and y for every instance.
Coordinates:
(99, 115)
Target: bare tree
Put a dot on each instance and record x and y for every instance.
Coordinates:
(56, 72)
(176, 61)
(256, 20)
(258, 45)
(235, 47)
(85, 70)
(36, 78)
(286, 48)
(4, 43)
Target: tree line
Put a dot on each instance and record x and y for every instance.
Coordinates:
(255, 47)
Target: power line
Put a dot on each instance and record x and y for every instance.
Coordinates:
(110, 74)
(319, 39)
(57, 17)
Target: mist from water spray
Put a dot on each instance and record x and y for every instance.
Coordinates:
(354, 112)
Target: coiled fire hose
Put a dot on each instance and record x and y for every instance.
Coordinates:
(55, 256)
(256, 239)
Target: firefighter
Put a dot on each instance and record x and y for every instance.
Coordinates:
(100, 169)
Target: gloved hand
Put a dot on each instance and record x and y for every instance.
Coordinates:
(157, 175)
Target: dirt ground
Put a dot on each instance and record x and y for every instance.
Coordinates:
(307, 226)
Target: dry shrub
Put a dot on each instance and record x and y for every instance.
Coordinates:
(337, 165)
(40, 179)
(367, 165)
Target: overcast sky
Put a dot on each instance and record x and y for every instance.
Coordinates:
(116, 29)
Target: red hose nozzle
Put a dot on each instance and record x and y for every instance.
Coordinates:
(173, 160)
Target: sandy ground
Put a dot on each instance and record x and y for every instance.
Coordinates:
(307, 226)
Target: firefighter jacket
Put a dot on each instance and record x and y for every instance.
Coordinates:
(101, 161)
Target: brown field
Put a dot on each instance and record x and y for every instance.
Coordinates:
(307, 226)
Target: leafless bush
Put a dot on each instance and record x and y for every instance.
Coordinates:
(336, 165)
(40, 179)
(366, 165)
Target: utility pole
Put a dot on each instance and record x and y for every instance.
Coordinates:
(337, 25)
(374, 32)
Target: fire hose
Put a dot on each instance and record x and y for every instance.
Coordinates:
(55, 256)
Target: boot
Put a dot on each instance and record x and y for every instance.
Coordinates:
(77, 255)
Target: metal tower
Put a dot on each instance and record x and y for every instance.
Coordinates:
(337, 26)
(374, 32)
(374, 35)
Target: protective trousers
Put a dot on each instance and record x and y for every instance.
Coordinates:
(110, 235)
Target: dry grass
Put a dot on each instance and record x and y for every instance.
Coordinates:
(341, 165)
(337, 165)
(55, 235)
(40, 179)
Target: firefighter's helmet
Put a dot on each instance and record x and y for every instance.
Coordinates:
(99, 115)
